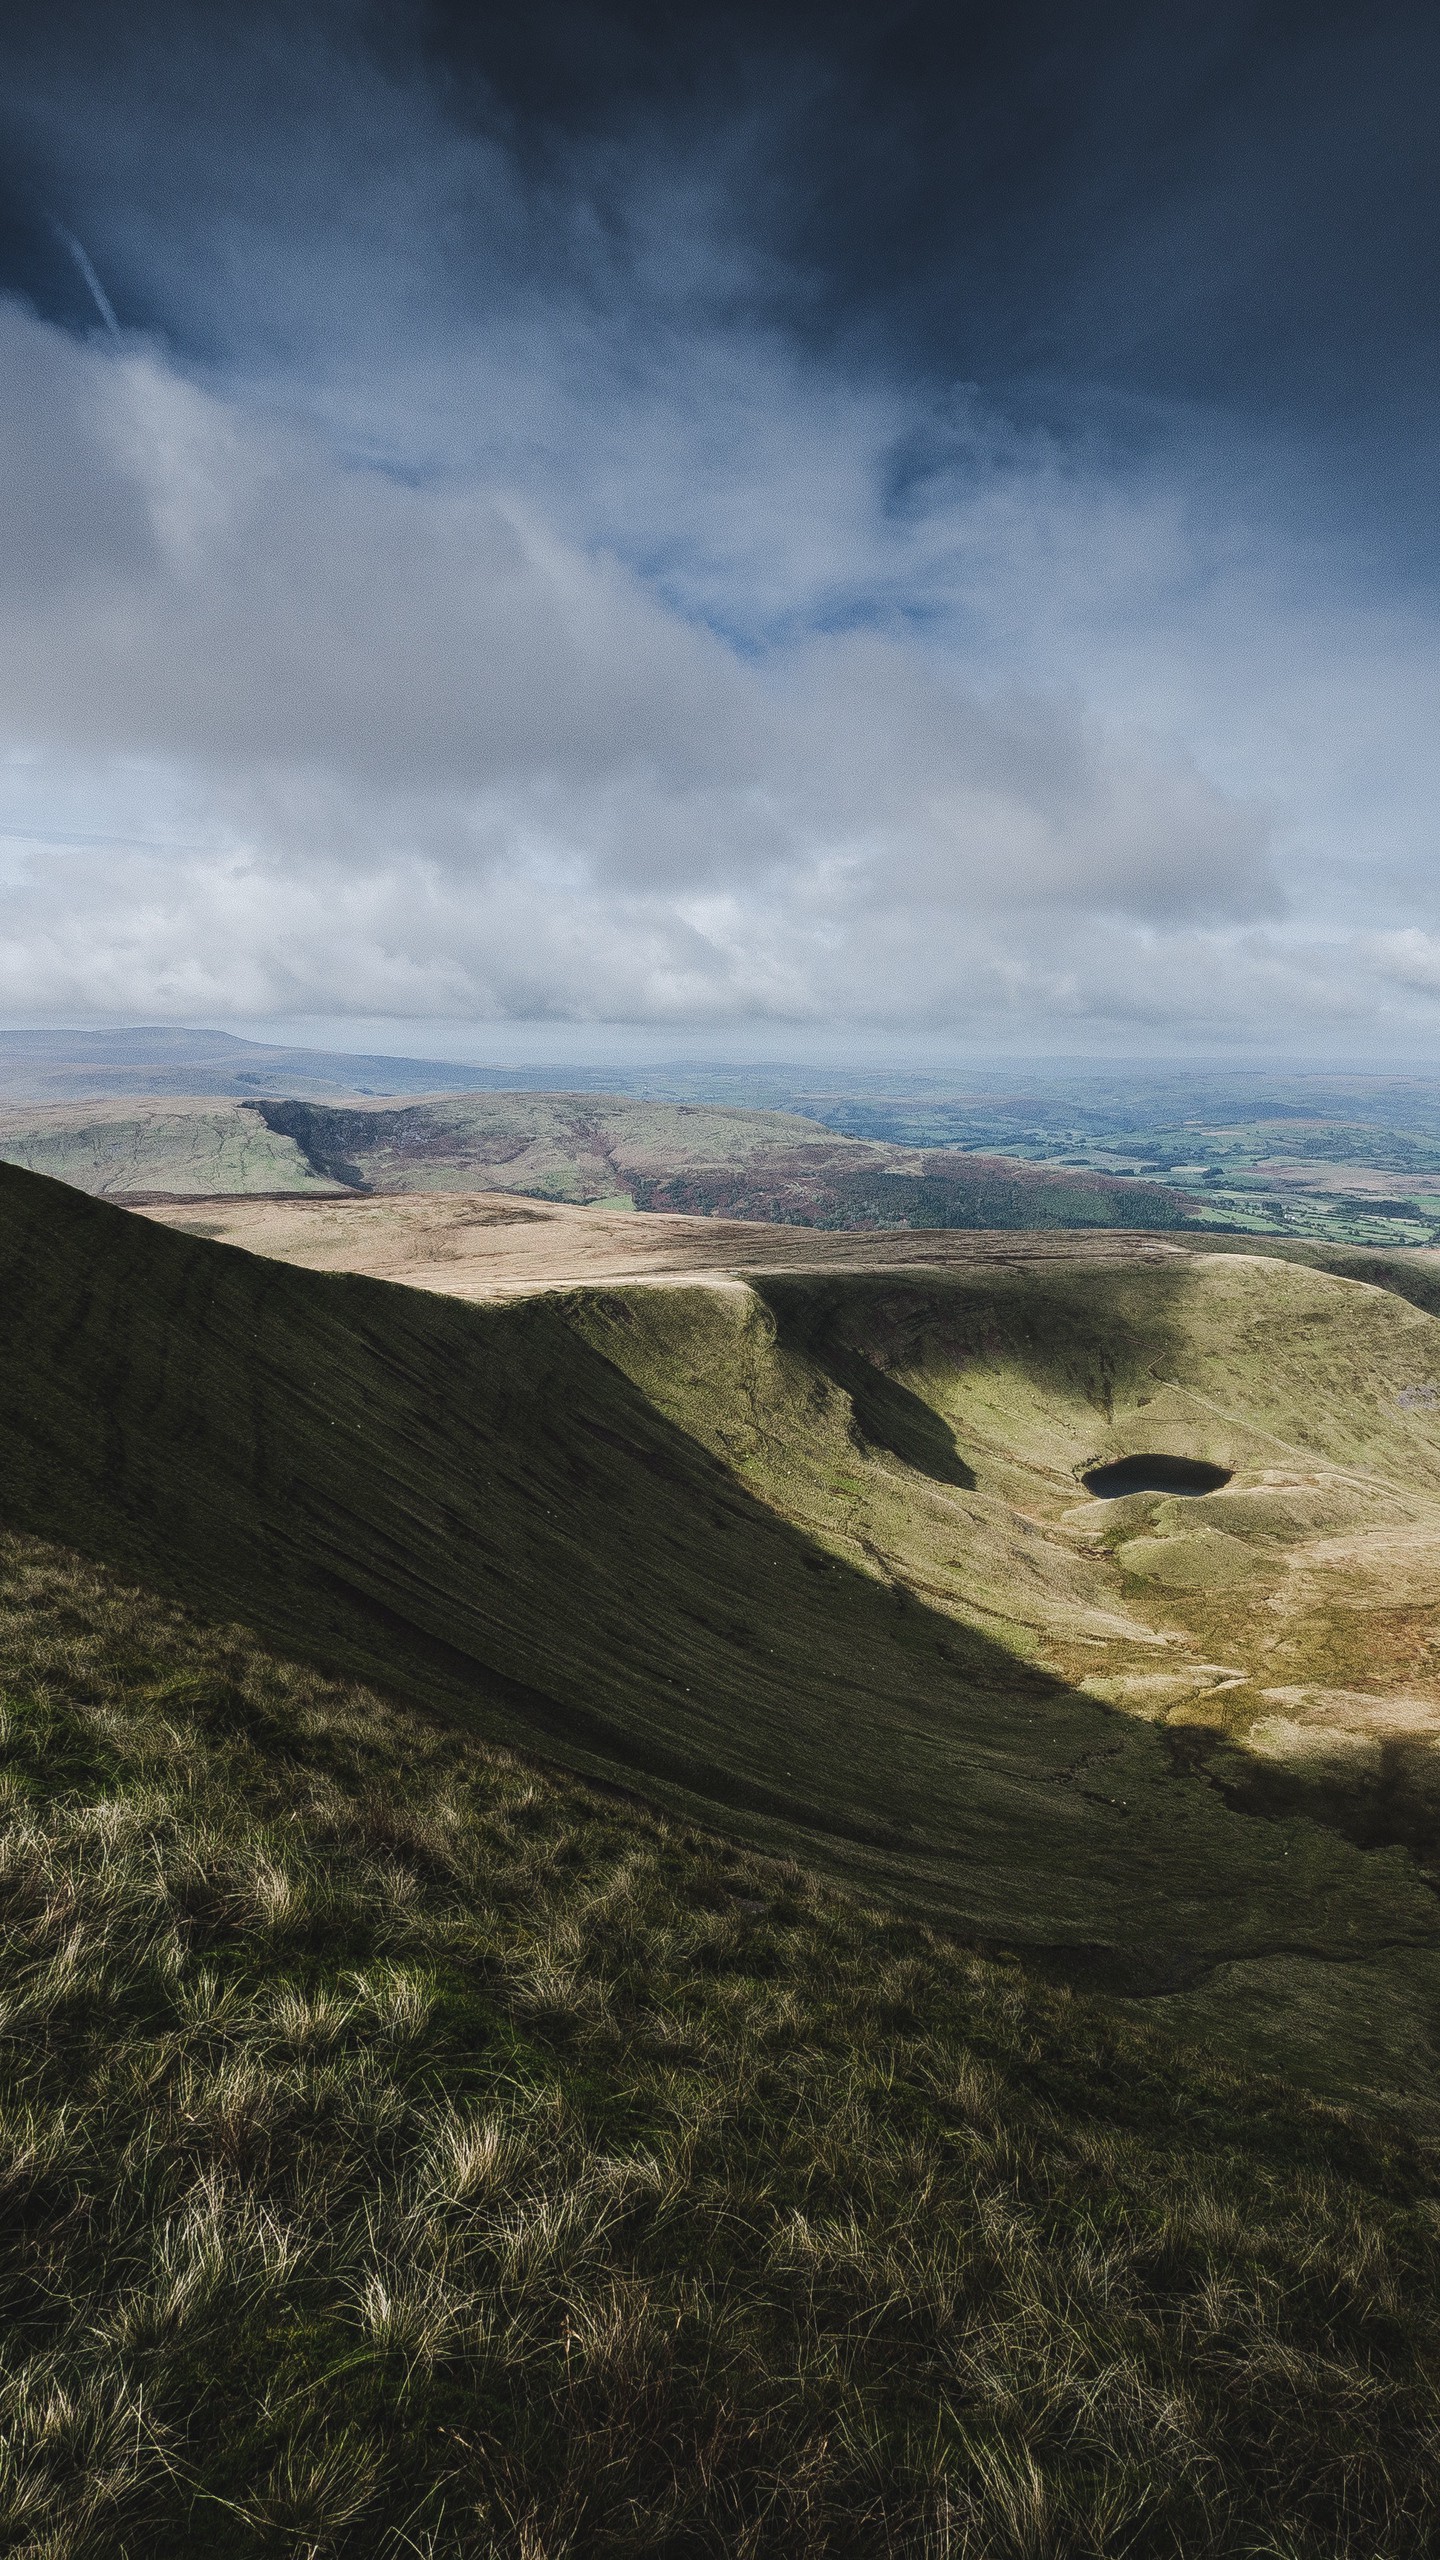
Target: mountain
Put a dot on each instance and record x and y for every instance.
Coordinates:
(711, 1160)
(632, 1910)
(801, 1558)
(161, 1058)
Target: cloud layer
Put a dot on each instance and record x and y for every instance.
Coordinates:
(508, 614)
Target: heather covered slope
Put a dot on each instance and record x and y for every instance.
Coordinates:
(404, 2151)
(705, 1158)
(628, 1154)
(494, 1511)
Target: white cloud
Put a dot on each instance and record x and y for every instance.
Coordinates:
(510, 603)
(366, 744)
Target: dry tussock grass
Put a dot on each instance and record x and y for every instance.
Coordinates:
(401, 2153)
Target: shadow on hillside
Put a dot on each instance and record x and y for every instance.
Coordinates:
(1094, 1334)
(475, 1508)
(887, 1414)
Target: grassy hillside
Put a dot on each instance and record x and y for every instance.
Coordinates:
(1283, 1638)
(694, 1157)
(405, 2152)
(512, 1517)
(567, 1147)
(1407, 1273)
(185, 1147)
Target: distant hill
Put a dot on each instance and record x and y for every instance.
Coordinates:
(1350, 1159)
(159, 1058)
(1346, 1160)
(182, 1147)
(709, 1159)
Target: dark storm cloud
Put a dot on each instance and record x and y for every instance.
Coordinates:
(837, 513)
(1224, 199)
(1096, 213)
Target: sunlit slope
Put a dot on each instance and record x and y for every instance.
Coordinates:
(481, 1507)
(579, 1147)
(183, 1147)
(1283, 1634)
(934, 1426)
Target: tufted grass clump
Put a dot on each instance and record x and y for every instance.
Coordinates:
(402, 2152)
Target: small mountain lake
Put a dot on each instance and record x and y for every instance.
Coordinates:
(1154, 1474)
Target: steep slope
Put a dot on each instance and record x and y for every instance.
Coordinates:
(405, 2151)
(182, 1148)
(1283, 1634)
(482, 1507)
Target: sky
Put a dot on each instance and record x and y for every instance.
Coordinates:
(863, 531)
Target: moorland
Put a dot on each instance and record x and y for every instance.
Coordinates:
(1338, 1158)
(636, 1922)
(613, 1149)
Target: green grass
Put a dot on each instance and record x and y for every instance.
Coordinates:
(511, 1517)
(166, 1146)
(406, 2151)
(1411, 1275)
(605, 1149)
(482, 1508)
